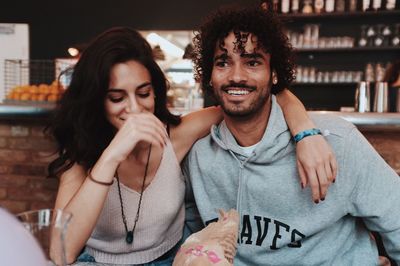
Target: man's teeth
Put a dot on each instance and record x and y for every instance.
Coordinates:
(238, 92)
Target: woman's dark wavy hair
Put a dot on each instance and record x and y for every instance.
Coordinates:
(80, 126)
(263, 24)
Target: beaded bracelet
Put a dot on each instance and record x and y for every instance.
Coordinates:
(306, 133)
(100, 182)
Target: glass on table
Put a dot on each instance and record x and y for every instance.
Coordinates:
(49, 227)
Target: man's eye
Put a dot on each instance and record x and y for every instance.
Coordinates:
(253, 63)
(221, 64)
(144, 95)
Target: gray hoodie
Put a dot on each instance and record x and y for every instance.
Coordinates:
(280, 224)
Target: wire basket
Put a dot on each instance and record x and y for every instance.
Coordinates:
(35, 81)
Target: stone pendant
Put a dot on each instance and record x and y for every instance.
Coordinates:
(129, 237)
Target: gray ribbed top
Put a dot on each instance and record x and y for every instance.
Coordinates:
(161, 219)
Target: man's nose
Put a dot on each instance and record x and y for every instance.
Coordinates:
(237, 74)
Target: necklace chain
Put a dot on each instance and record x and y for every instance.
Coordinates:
(129, 234)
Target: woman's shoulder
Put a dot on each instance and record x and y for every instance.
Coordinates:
(193, 126)
(76, 173)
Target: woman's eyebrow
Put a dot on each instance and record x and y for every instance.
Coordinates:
(147, 83)
(143, 85)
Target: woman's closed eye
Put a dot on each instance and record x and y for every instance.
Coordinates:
(143, 94)
(115, 97)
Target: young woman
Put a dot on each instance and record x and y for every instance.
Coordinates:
(120, 150)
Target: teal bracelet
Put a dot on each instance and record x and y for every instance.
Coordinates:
(306, 133)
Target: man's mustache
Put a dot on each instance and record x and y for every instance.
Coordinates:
(238, 85)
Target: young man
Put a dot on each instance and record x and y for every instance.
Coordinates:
(248, 161)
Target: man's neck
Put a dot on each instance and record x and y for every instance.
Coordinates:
(249, 130)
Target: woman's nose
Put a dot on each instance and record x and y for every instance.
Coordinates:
(132, 106)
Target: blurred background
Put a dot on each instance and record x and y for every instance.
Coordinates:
(339, 44)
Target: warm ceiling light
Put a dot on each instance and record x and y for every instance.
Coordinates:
(73, 51)
(167, 46)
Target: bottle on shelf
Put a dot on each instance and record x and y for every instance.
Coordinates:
(314, 35)
(362, 97)
(295, 6)
(307, 36)
(307, 7)
(386, 32)
(340, 5)
(379, 72)
(381, 98)
(312, 75)
(363, 41)
(396, 36)
(330, 6)
(369, 73)
(275, 6)
(353, 5)
(379, 38)
(371, 33)
(366, 5)
(390, 4)
(319, 6)
(376, 4)
(285, 6)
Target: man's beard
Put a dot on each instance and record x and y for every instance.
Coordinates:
(237, 111)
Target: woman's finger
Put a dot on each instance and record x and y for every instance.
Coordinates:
(334, 167)
(302, 173)
(314, 184)
(323, 181)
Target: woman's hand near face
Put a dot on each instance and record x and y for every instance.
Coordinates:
(138, 127)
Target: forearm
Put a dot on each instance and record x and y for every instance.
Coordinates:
(295, 114)
(316, 163)
(193, 127)
(86, 205)
(201, 121)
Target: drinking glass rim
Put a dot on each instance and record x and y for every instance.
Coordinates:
(65, 214)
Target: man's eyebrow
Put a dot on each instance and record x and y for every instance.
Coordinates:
(252, 55)
(222, 56)
(138, 87)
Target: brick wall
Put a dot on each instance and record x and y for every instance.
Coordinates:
(24, 155)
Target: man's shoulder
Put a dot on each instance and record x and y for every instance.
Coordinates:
(332, 123)
(202, 144)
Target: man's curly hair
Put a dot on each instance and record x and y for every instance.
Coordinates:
(263, 24)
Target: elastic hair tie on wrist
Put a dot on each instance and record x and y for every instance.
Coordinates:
(306, 133)
(99, 182)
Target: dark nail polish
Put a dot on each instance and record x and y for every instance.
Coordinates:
(316, 201)
(333, 180)
(322, 199)
(302, 185)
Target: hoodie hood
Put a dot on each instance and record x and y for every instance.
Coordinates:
(274, 143)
